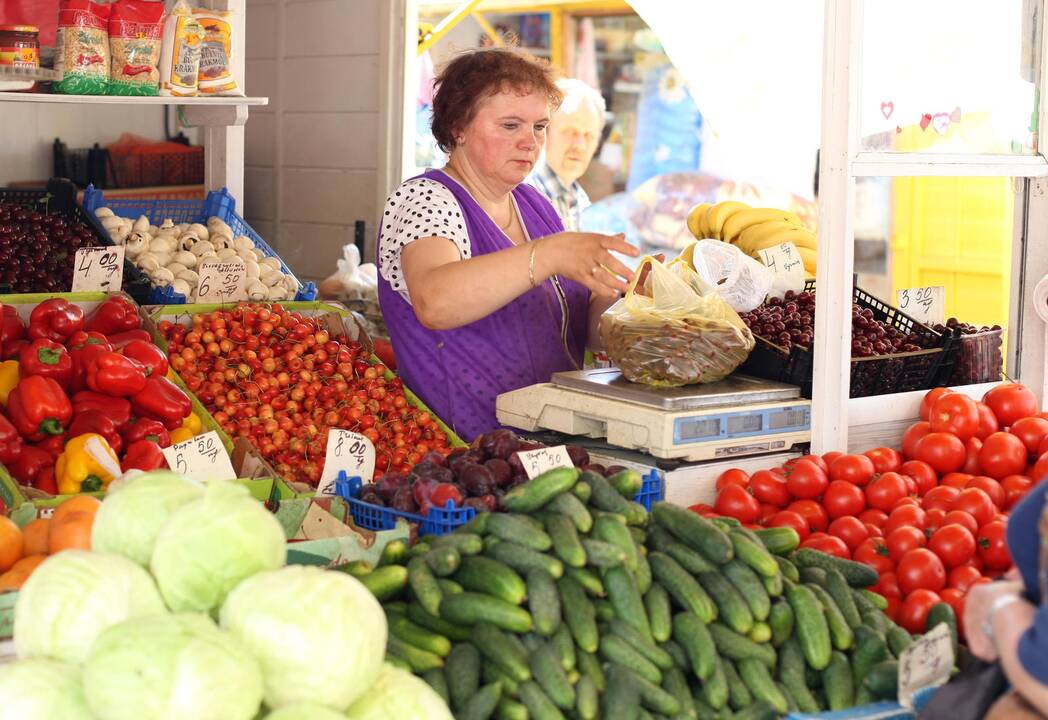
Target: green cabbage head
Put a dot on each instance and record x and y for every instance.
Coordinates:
(399, 694)
(42, 689)
(305, 711)
(319, 635)
(75, 595)
(209, 545)
(131, 517)
(171, 667)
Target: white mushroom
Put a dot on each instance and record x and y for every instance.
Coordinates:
(277, 292)
(186, 258)
(243, 243)
(141, 224)
(199, 230)
(270, 262)
(220, 241)
(103, 212)
(291, 284)
(270, 276)
(148, 262)
(202, 248)
(136, 244)
(182, 287)
(176, 268)
(259, 255)
(209, 255)
(217, 224)
(252, 269)
(119, 235)
(162, 277)
(229, 254)
(168, 229)
(190, 276)
(257, 291)
(163, 244)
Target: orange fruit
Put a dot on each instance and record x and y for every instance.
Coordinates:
(28, 564)
(13, 580)
(11, 543)
(77, 503)
(74, 531)
(35, 535)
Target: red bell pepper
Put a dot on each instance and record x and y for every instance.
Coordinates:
(117, 408)
(46, 481)
(149, 355)
(30, 463)
(116, 315)
(11, 349)
(47, 359)
(39, 407)
(164, 401)
(113, 374)
(54, 445)
(85, 347)
(100, 423)
(10, 442)
(55, 319)
(11, 326)
(119, 340)
(143, 455)
(146, 429)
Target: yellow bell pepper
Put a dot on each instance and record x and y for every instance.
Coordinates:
(8, 379)
(181, 435)
(88, 464)
(193, 424)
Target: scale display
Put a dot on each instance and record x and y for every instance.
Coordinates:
(744, 424)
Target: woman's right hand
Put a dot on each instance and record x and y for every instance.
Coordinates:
(586, 258)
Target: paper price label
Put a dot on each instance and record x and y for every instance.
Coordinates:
(923, 304)
(202, 458)
(222, 282)
(347, 451)
(539, 461)
(98, 269)
(786, 263)
(926, 663)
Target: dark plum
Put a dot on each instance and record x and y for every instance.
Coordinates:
(595, 468)
(613, 470)
(578, 455)
(372, 499)
(480, 504)
(501, 471)
(435, 458)
(404, 501)
(515, 464)
(426, 470)
(388, 484)
(421, 490)
(476, 479)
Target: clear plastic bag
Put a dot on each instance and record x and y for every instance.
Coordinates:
(740, 280)
(674, 331)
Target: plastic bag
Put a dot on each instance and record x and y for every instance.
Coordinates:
(180, 52)
(136, 29)
(740, 280)
(82, 54)
(672, 334)
(218, 57)
(352, 280)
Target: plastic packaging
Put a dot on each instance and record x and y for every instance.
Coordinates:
(180, 52)
(136, 28)
(82, 53)
(673, 334)
(218, 57)
(740, 280)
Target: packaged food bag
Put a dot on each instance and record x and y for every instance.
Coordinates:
(739, 279)
(217, 74)
(82, 48)
(136, 29)
(674, 331)
(180, 52)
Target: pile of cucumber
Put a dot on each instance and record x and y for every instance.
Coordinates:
(579, 603)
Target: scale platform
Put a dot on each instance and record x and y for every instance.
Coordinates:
(737, 416)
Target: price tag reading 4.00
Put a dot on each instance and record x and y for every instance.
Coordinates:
(222, 282)
(202, 458)
(347, 451)
(539, 461)
(786, 263)
(923, 304)
(98, 269)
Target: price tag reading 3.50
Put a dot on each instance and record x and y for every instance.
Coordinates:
(222, 282)
(98, 269)
(539, 461)
(786, 263)
(923, 304)
(347, 451)
(202, 458)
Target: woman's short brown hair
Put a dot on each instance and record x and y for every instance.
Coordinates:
(476, 74)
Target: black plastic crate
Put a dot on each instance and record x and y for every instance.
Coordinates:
(60, 197)
(878, 375)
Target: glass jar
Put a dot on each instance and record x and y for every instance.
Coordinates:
(19, 46)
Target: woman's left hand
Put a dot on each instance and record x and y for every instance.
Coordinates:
(976, 613)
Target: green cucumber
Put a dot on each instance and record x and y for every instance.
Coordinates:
(543, 602)
(565, 536)
(761, 684)
(579, 614)
(682, 586)
(462, 671)
(779, 540)
(357, 568)
(753, 553)
(519, 529)
(858, 575)
(386, 582)
(761, 632)
(419, 660)
(674, 682)
(615, 649)
(837, 682)
(750, 586)
(792, 674)
(757, 711)
(732, 609)
(604, 497)
(402, 628)
(569, 505)
(605, 610)
(870, 649)
(696, 532)
(465, 543)
(694, 636)
(791, 704)
(738, 694)
(582, 490)
(471, 608)
(603, 554)
(564, 645)
(443, 560)
(898, 639)
(942, 614)
(841, 633)
(627, 482)
(482, 704)
(398, 663)
(788, 569)
(424, 585)
(550, 675)
(587, 698)
(627, 600)
(773, 585)
(736, 647)
(656, 699)
(877, 620)
(418, 615)
(484, 575)
(864, 601)
(539, 705)
(621, 699)
(693, 561)
(588, 579)
(780, 619)
(524, 559)
(589, 666)
(657, 603)
(394, 553)
(841, 593)
(643, 574)
(715, 688)
(496, 646)
(477, 526)
(662, 659)
(449, 586)
(813, 575)
(534, 494)
(436, 680)
(510, 709)
(810, 626)
(883, 680)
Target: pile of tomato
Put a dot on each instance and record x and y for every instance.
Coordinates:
(930, 519)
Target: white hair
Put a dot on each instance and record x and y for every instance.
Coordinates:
(577, 92)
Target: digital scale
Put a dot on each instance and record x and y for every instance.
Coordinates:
(736, 417)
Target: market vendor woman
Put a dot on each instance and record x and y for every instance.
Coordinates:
(482, 290)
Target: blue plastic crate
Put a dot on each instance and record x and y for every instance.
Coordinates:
(218, 203)
(652, 490)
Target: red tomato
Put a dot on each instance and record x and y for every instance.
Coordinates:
(818, 460)
(955, 413)
(920, 568)
(788, 518)
(905, 516)
(943, 451)
(850, 530)
(940, 497)
(813, 512)
(913, 436)
(911, 488)
(902, 540)
(976, 503)
(902, 502)
(1042, 447)
(956, 599)
(960, 517)
(874, 517)
(770, 488)
(842, 498)
(954, 544)
(1011, 402)
(829, 457)
(807, 480)
(991, 487)
(1031, 430)
(883, 492)
(732, 476)
(892, 611)
(971, 456)
(766, 513)
(993, 546)
(922, 474)
(936, 518)
(887, 585)
(701, 508)
(913, 615)
(1015, 488)
(828, 544)
(873, 530)
(1002, 454)
(735, 502)
(955, 479)
(874, 552)
(988, 423)
(962, 577)
(930, 399)
(885, 459)
(1040, 468)
(856, 469)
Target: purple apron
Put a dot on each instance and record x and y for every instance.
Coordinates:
(458, 373)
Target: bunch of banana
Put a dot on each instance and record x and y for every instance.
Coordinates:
(752, 229)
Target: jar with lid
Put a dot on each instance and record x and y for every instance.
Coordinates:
(20, 46)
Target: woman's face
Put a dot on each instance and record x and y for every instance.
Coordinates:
(505, 137)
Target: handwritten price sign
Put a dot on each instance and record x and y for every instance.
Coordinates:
(927, 662)
(98, 269)
(202, 458)
(924, 304)
(347, 451)
(539, 461)
(786, 263)
(222, 282)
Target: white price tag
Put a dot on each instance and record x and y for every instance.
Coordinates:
(923, 304)
(222, 282)
(926, 663)
(786, 263)
(539, 461)
(98, 269)
(347, 451)
(202, 458)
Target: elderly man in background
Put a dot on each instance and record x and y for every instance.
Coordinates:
(571, 139)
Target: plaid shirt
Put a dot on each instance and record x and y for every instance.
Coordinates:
(569, 202)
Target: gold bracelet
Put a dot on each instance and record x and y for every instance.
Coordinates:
(531, 266)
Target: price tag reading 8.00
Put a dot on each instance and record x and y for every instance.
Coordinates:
(923, 304)
(222, 281)
(98, 269)
(202, 458)
(536, 462)
(347, 451)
